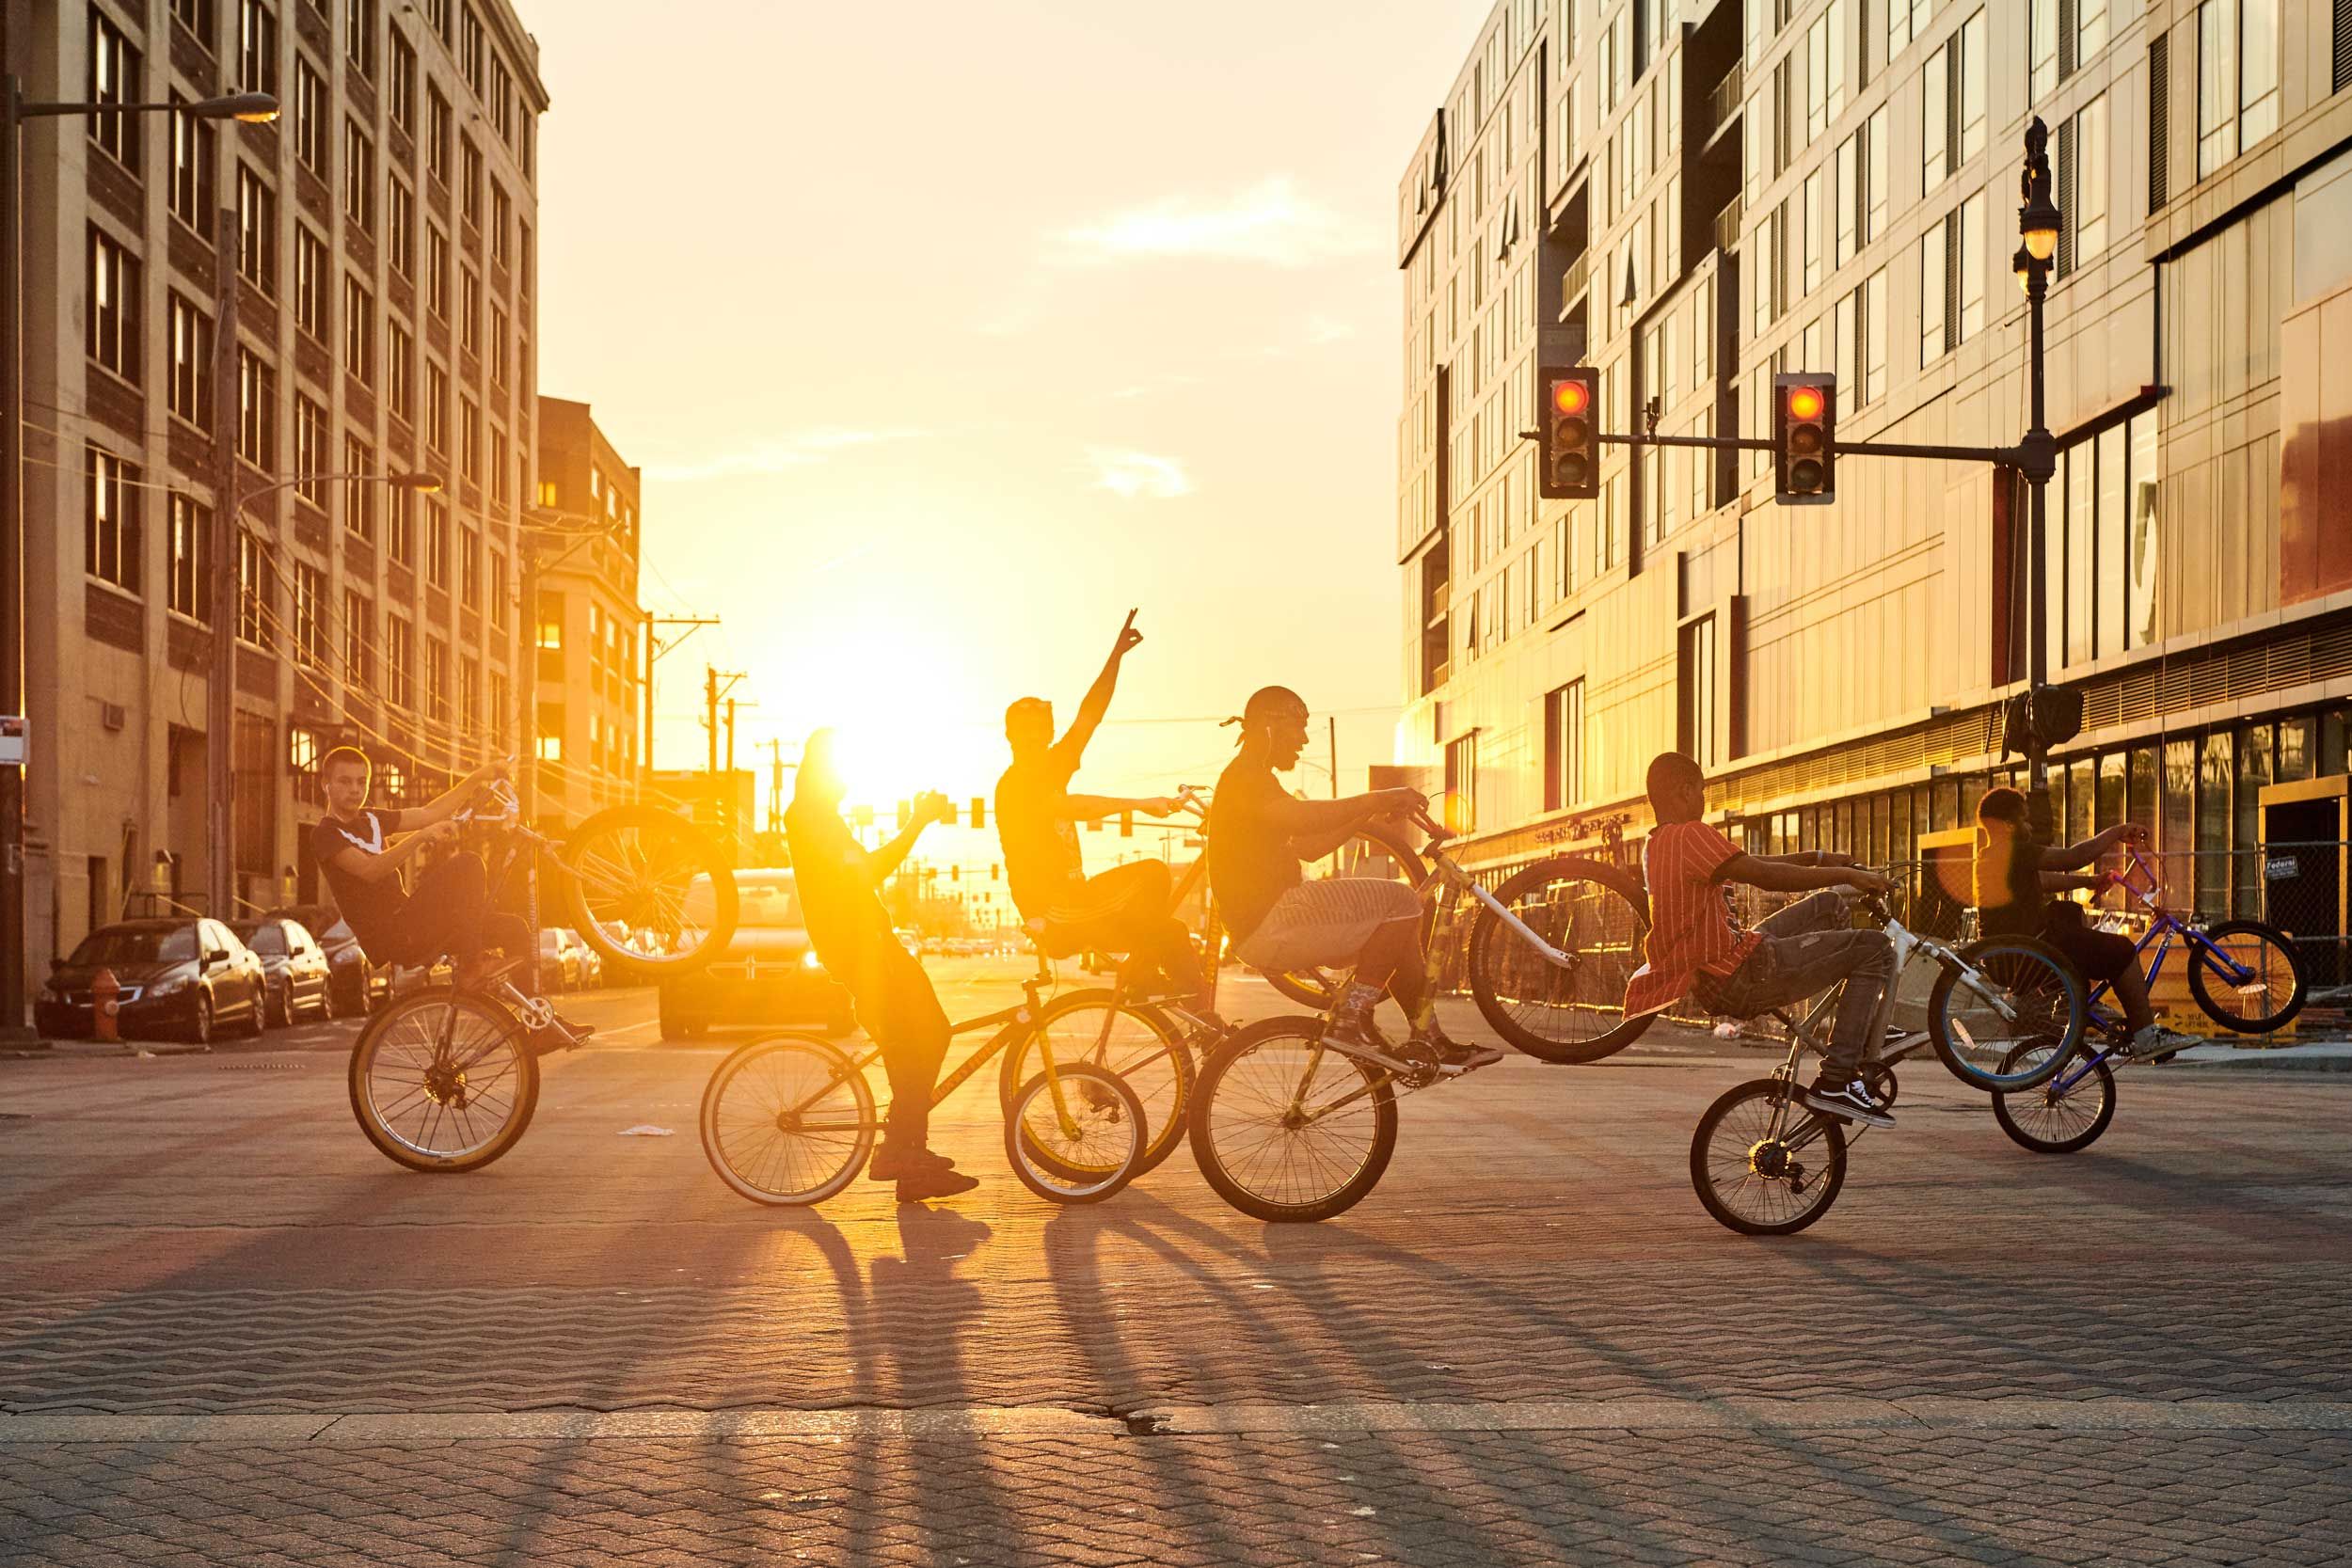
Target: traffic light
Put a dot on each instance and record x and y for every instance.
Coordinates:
(1126, 824)
(955, 873)
(1804, 440)
(1571, 466)
(980, 811)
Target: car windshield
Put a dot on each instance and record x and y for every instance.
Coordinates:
(268, 941)
(137, 944)
(770, 902)
(550, 941)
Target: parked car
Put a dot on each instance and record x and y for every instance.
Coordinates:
(560, 966)
(359, 985)
(180, 975)
(591, 961)
(768, 973)
(294, 971)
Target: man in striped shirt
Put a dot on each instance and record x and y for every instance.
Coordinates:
(1696, 951)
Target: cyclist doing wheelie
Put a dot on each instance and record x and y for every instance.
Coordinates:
(1696, 950)
(839, 884)
(1124, 910)
(2014, 876)
(1259, 833)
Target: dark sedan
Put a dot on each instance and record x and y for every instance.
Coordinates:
(295, 970)
(181, 976)
(769, 972)
(360, 986)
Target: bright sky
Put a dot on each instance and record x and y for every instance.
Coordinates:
(946, 333)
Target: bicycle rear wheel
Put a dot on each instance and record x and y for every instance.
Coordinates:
(2066, 1114)
(2253, 983)
(1137, 1044)
(443, 1081)
(1762, 1164)
(787, 1120)
(1075, 1134)
(1380, 853)
(1288, 1131)
(650, 891)
(1572, 1011)
(2024, 992)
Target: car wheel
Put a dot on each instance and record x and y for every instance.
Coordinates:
(326, 1003)
(200, 1030)
(280, 1015)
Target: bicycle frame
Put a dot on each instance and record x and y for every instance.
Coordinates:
(2165, 924)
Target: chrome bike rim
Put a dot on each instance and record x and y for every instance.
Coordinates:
(444, 1104)
(1752, 1169)
(786, 1121)
(1287, 1148)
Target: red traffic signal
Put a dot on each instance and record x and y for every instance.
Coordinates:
(1804, 440)
(1571, 457)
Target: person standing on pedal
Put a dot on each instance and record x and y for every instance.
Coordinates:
(1696, 950)
(839, 884)
(1124, 910)
(1259, 833)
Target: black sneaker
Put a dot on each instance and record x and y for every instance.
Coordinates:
(1202, 1028)
(1848, 1102)
(937, 1183)
(561, 1035)
(898, 1164)
(1355, 1032)
(1460, 1056)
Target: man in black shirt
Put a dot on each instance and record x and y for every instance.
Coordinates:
(1257, 835)
(839, 884)
(449, 912)
(1124, 910)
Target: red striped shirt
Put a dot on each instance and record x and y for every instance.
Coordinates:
(1691, 932)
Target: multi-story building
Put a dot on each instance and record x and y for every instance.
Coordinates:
(1692, 196)
(590, 730)
(384, 260)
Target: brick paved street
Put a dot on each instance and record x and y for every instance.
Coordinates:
(234, 1333)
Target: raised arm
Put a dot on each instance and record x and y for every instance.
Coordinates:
(887, 859)
(2073, 857)
(456, 798)
(1094, 808)
(1777, 874)
(1097, 701)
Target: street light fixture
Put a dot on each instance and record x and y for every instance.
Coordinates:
(2037, 224)
(247, 108)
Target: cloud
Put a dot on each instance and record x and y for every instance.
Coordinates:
(1270, 224)
(795, 450)
(1137, 475)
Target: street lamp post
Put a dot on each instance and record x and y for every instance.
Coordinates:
(2037, 224)
(251, 107)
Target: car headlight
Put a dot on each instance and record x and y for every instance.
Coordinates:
(171, 987)
(810, 960)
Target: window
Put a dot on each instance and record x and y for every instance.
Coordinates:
(257, 47)
(1934, 284)
(1564, 746)
(550, 732)
(1971, 263)
(309, 282)
(197, 17)
(190, 590)
(400, 387)
(1906, 20)
(2237, 78)
(469, 50)
(359, 494)
(436, 543)
(2043, 70)
(470, 439)
(436, 271)
(256, 572)
(400, 229)
(551, 632)
(469, 185)
(501, 471)
(1811, 223)
(310, 453)
(257, 231)
(469, 568)
(358, 330)
(502, 708)
(436, 406)
(1860, 199)
(359, 36)
(468, 310)
(522, 250)
(498, 345)
(436, 680)
(400, 662)
(195, 165)
(1461, 771)
(437, 13)
(358, 639)
(1970, 75)
(309, 615)
(111, 538)
(114, 78)
(439, 130)
(256, 411)
(1825, 70)
(1935, 120)
(309, 118)
(113, 307)
(502, 595)
(1701, 715)
(2102, 539)
(2082, 175)
(502, 222)
(359, 178)
(1873, 338)
(191, 392)
(400, 91)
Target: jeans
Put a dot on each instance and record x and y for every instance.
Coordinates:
(900, 1012)
(1124, 910)
(1807, 948)
(450, 914)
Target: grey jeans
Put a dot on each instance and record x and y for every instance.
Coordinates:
(1807, 948)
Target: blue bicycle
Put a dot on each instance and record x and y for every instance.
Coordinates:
(2244, 974)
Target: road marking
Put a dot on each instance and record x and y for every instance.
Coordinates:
(1046, 1421)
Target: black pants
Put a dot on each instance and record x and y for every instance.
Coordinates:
(1124, 910)
(899, 1011)
(449, 914)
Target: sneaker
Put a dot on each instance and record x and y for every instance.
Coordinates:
(894, 1164)
(1201, 1026)
(2156, 1043)
(1353, 1031)
(937, 1183)
(1458, 1056)
(1848, 1102)
(562, 1036)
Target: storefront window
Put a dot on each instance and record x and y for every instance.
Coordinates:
(2111, 807)
(1946, 812)
(2294, 750)
(2140, 803)
(2253, 771)
(2080, 797)
(2213, 825)
(2335, 729)
(2178, 836)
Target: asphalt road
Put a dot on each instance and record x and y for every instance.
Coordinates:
(230, 1332)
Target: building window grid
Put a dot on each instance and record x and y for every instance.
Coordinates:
(257, 46)
(309, 615)
(359, 177)
(190, 333)
(359, 492)
(310, 118)
(358, 330)
(115, 340)
(256, 411)
(189, 590)
(112, 535)
(257, 225)
(256, 571)
(2238, 79)
(114, 78)
(194, 169)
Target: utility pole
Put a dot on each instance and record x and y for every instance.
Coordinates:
(220, 703)
(654, 648)
(712, 692)
(1333, 733)
(776, 786)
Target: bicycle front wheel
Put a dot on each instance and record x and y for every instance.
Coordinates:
(1762, 1164)
(442, 1081)
(1288, 1131)
(650, 891)
(1373, 852)
(1137, 1044)
(2250, 980)
(2015, 991)
(788, 1120)
(1572, 1009)
(1075, 1134)
(2066, 1114)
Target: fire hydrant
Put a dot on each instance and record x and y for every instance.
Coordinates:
(104, 991)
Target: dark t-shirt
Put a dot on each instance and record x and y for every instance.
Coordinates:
(2010, 900)
(1250, 864)
(372, 908)
(1042, 859)
(847, 923)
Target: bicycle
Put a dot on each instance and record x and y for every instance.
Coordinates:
(446, 1079)
(1747, 1154)
(2070, 1112)
(790, 1119)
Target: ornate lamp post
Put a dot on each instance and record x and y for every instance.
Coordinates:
(2037, 224)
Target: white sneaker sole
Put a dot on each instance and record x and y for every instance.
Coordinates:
(1844, 1112)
